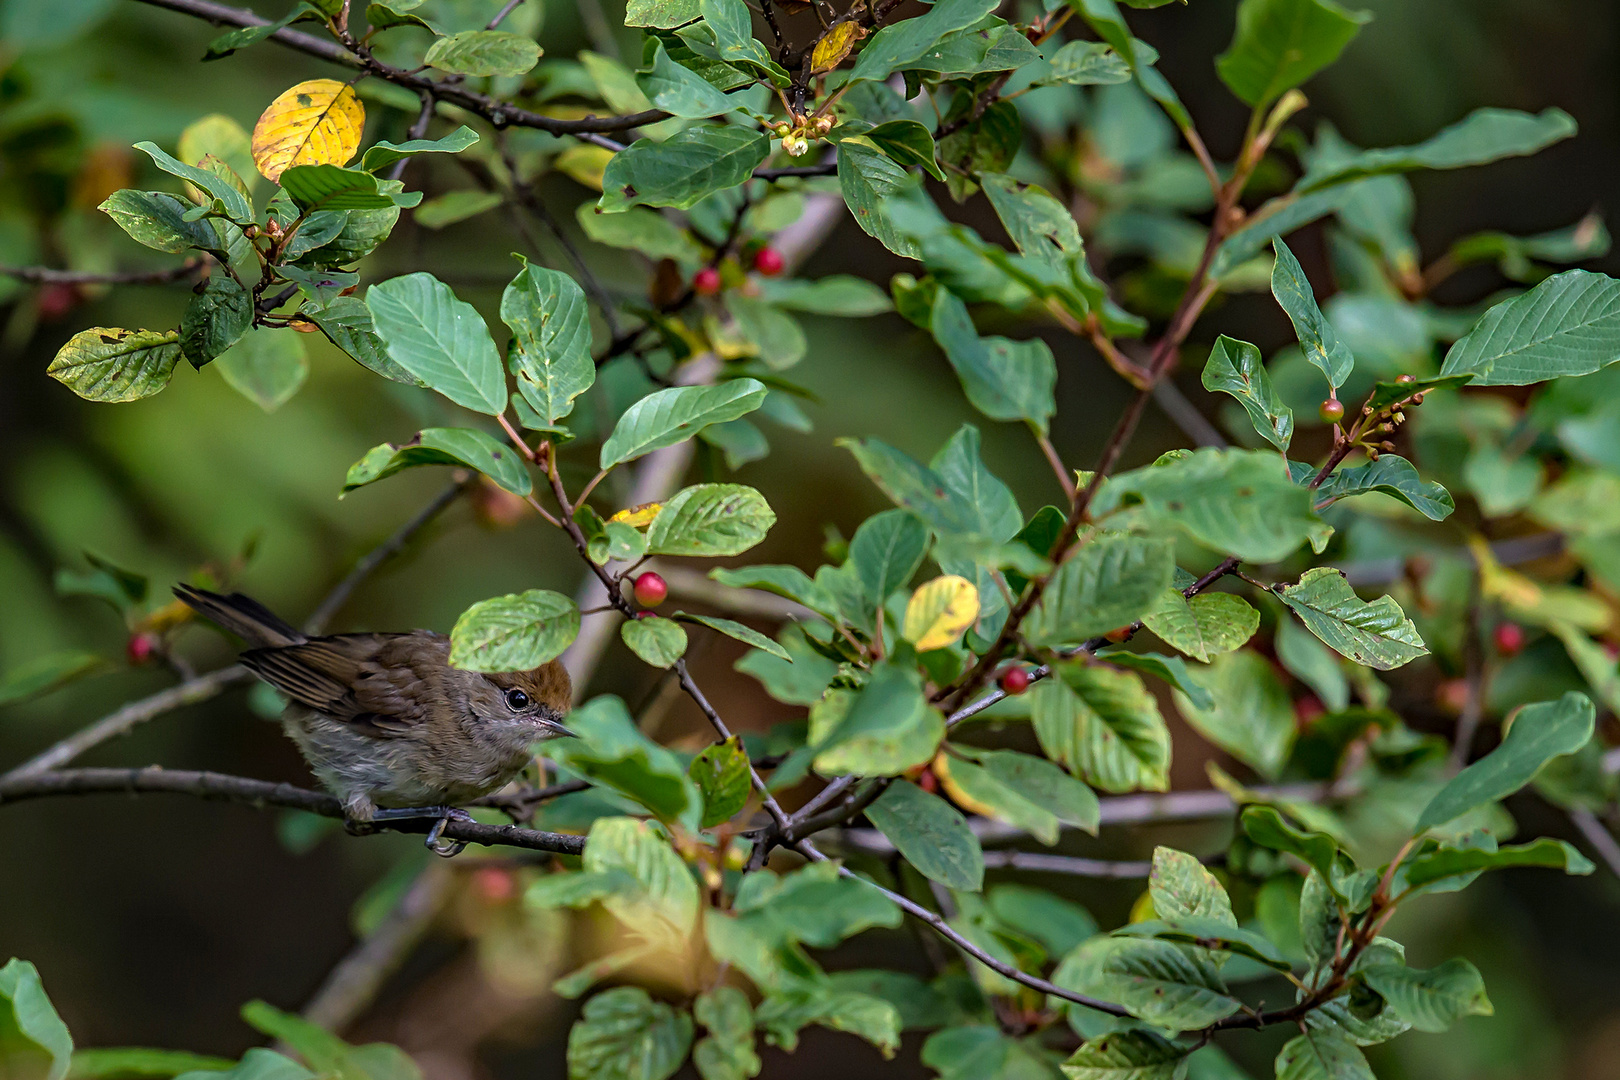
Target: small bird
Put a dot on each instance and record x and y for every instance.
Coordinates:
(386, 724)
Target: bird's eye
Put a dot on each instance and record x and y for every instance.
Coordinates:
(517, 700)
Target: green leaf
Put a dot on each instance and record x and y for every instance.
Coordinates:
(1431, 1000)
(439, 339)
(1378, 635)
(799, 682)
(1322, 1053)
(675, 415)
(1205, 625)
(623, 1034)
(1567, 325)
(733, 29)
(643, 230)
(710, 520)
(1482, 136)
(896, 46)
(776, 336)
(1538, 733)
(814, 905)
(346, 322)
(1393, 475)
(139, 1063)
(981, 1052)
(835, 294)
(1313, 663)
(1055, 922)
(1027, 792)
(1171, 669)
(261, 1064)
(443, 446)
(47, 673)
(614, 754)
(267, 367)
(34, 1043)
(1038, 224)
(745, 634)
(156, 219)
(884, 554)
(1385, 394)
(1210, 936)
(1105, 18)
(780, 1016)
(517, 632)
(727, 1052)
(869, 178)
(1253, 717)
(1281, 43)
(325, 188)
(931, 834)
(1167, 984)
(215, 320)
(232, 201)
(109, 364)
(1237, 502)
(1127, 1055)
(1005, 380)
(1111, 581)
(658, 641)
(662, 14)
(721, 773)
(483, 52)
(680, 91)
(785, 581)
(1182, 889)
(990, 46)
(683, 169)
(884, 729)
(1266, 827)
(1321, 345)
(386, 153)
(1235, 367)
(1103, 725)
(322, 1050)
(226, 44)
(1448, 862)
(551, 327)
(912, 486)
(908, 143)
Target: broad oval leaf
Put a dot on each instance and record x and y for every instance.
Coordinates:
(267, 367)
(676, 414)
(108, 364)
(885, 728)
(316, 122)
(1205, 625)
(930, 834)
(1127, 1055)
(868, 178)
(1182, 888)
(1539, 733)
(1391, 474)
(1431, 1000)
(156, 219)
(1378, 634)
(1252, 718)
(1281, 43)
(1005, 380)
(483, 52)
(710, 520)
(1316, 335)
(1322, 1053)
(439, 339)
(551, 324)
(329, 188)
(1236, 367)
(733, 629)
(384, 153)
(940, 611)
(215, 320)
(516, 632)
(235, 204)
(657, 640)
(1108, 583)
(683, 169)
(623, 1034)
(721, 773)
(443, 446)
(1567, 325)
(1167, 984)
(1104, 726)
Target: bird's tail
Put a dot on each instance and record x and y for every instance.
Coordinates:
(241, 615)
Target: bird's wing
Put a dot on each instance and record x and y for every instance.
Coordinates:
(379, 683)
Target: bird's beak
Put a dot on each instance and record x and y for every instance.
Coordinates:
(559, 731)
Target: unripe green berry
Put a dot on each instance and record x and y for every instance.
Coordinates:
(1331, 411)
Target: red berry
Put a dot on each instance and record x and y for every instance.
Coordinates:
(928, 781)
(1308, 708)
(494, 884)
(1331, 411)
(768, 261)
(650, 589)
(56, 300)
(140, 648)
(1509, 637)
(1452, 695)
(706, 282)
(1015, 680)
(1120, 635)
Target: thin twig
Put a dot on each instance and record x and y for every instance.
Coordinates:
(417, 130)
(260, 793)
(45, 275)
(719, 725)
(1599, 838)
(500, 16)
(1066, 864)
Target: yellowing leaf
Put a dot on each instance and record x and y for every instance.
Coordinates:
(835, 45)
(318, 122)
(584, 164)
(942, 770)
(1528, 600)
(940, 611)
(638, 516)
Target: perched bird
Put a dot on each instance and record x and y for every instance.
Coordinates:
(386, 724)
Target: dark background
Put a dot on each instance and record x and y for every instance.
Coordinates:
(153, 919)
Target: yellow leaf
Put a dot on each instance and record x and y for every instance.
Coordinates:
(942, 769)
(1527, 600)
(584, 164)
(638, 516)
(940, 611)
(1143, 910)
(835, 45)
(318, 122)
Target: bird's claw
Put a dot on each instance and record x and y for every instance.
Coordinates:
(436, 841)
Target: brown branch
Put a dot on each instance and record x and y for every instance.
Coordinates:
(219, 787)
(45, 275)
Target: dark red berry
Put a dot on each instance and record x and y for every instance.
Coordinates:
(1015, 680)
(56, 300)
(650, 589)
(706, 282)
(494, 884)
(140, 648)
(1331, 411)
(1308, 708)
(768, 261)
(1509, 637)
(928, 781)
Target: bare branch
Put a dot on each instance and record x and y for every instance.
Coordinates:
(44, 275)
(219, 787)
(1598, 837)
(1066, 864)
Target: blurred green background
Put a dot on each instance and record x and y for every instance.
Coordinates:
(152, 920)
